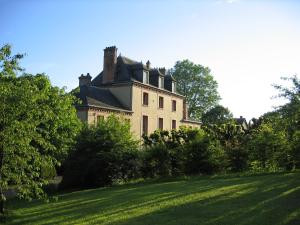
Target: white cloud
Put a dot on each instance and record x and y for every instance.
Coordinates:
(231, 1)
(218, 2)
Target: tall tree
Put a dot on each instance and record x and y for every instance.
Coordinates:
(290, 116)
(291, 110)
(217, 115)
(38, 124)
(197, 84)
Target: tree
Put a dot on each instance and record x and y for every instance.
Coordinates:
(38, 124)
(103, 154)
(217, 115)
(204, 155)
(197, 84)
(289, 116)
(231, 137)
(269, 149)
(290, 112)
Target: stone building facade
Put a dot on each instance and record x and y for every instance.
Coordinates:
(143, 95)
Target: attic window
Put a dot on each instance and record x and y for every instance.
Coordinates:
(173, 86)
(146, 77)
(161, 82)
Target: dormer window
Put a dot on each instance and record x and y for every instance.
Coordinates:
(173, 86)
(146, 77)
(160, 82)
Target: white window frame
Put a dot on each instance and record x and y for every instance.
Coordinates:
(160, 82)
(173, 86)
(146, 77)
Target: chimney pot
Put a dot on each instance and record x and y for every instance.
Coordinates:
(85, 80)
(148, 64)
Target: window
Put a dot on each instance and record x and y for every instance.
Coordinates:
(160, 82)
(173, 124)
(145, 125)
(146, 77)
(100, 118)
(161, 102)
(160, 123)
(173, 105)
(145, 98)
(173, 86)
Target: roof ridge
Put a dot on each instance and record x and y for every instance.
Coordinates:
(131, 61)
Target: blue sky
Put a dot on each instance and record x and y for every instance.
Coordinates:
(248, 45)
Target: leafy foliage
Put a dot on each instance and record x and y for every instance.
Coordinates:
(204, 155)
(104, 153)
(269, 149)
(185, 151)
(38, 124)
(287, 117)
(157, 161)
(231, 136)
(217, 115)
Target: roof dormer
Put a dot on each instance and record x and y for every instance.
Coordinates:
(145, 76)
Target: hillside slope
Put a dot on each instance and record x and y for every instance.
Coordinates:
(265, 199)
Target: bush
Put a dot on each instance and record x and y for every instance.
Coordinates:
(203, 155)
(269, 149)
(236, 157)
(156, 161)
(104, 154)
(185, 151)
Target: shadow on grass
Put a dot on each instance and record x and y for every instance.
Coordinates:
(269, 199)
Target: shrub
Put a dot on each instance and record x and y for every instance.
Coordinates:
(156, 161)
(204, 155)
(183, 151)
(104, 153)
(236, 157)
(269, 148)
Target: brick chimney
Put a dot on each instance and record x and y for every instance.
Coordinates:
(109, 64)
(85, 80)
(185, 110)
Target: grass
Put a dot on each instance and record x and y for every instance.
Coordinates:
(265, 199)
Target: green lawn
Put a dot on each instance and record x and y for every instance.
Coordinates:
(265, 199)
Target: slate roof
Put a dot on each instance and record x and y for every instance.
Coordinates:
(127, 70)
(100, 97)
(169, 77)
(128, 60)
(130, 70)
(97, 81)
